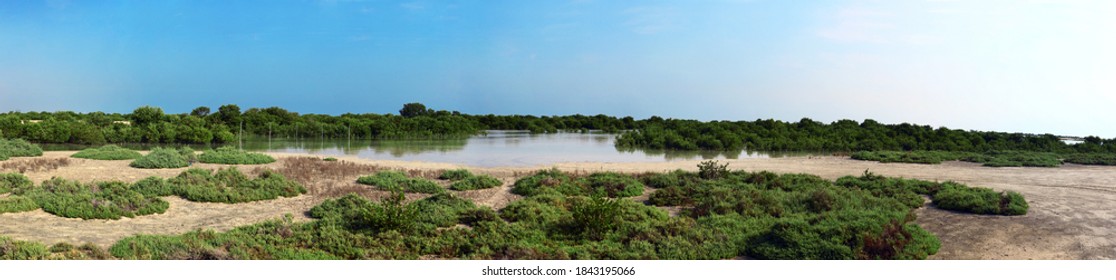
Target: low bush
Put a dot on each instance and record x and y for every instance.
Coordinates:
(990, 159)
(229, 185)
(230, 155)
(22, 250)
(107, 152)
(475, 183)
(164, 158)
(154, 186)
(330, 159)
(101, 200)
(1092, 158)
(397, 181)
(455, 174)
(17, 203)
(981, 201)
(752, 214)
(18, 148)
(606, 184)
(13, 181)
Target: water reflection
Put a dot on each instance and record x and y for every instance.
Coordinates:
(495, 148)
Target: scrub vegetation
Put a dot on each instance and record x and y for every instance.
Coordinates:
(398, 181)
(107, 152)
(463, 180)
(165, 158)
(18, 148)
(114, 200)
(230, 155)
(724, 214)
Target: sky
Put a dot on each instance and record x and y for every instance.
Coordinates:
(1013, 66)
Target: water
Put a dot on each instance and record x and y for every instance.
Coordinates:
(496, 148)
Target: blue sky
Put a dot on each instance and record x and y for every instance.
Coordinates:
(1026, 66)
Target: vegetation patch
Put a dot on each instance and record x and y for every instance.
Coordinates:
(18, 148)
(330, 159)
(475, 183)
(455, 174)
(398, 181)
(101, 200)
(226, 185)
(230, 155)
(108, 152)
(463, 180)
(990, 159)
(13, 181)
(17, 203)
(553, 181)
(1092, 158)
(165, 158)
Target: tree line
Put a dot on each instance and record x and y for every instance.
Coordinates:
(415, 121)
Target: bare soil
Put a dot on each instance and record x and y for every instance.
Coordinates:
(1071, 214)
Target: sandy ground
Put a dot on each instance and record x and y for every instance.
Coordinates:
(1071, 214)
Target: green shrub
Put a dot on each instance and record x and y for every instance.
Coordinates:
(230, 155)
(17, 203)
(455, 174)
(22, 250)
(1092, 158)
(161, 158)
(13, 181)
(607, 184)
(397, 181)
(674, 178)
(330, 159)
(229, 185)
(758, 215)
(107, 152)
(18, 148)
(710, 169)
(153, 186)
(611, 184)
(102, 200)
(475, 183)
(980, 201)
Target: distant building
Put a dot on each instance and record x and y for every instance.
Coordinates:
(123, 122)
(29, 121)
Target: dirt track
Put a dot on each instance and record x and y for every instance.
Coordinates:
(1071, 214)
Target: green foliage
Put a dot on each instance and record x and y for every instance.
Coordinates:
(101, 200)
(17, 203)
(230, 155)
(229, 185)
(710, 170)
(330, 159)
(981, 201)
(154, 186)
(753, 214)
(13, 181)
(108, 152)
(606, 184)
(22, 250)
(397, 181)
(162, 158)
(18, 148)
(475, 183)
(991, 158)
(455, 174)
(1092, 158)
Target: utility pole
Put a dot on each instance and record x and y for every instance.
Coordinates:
(240, 136)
